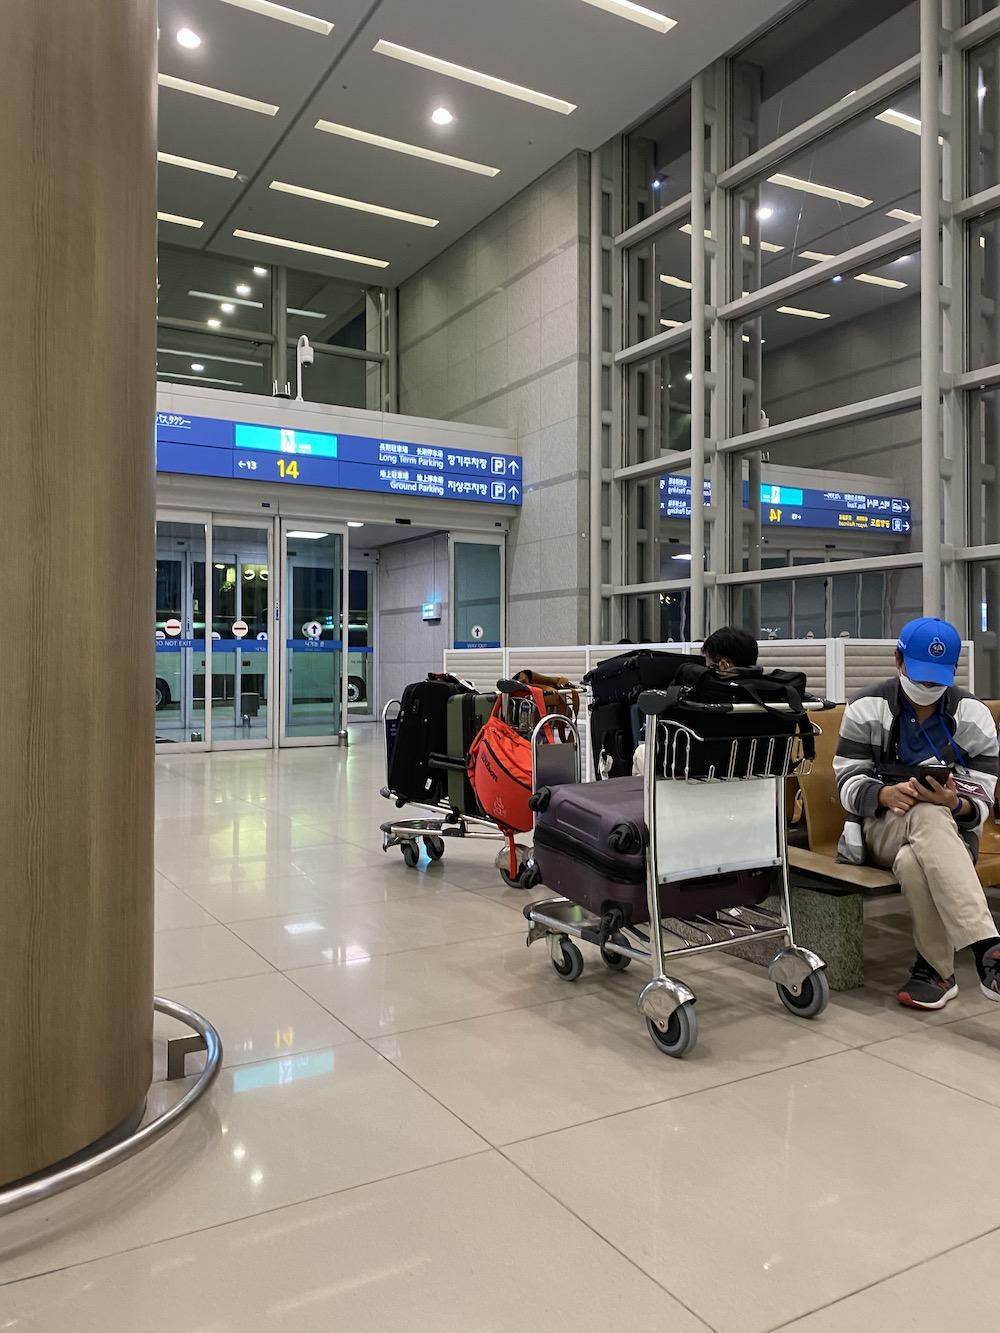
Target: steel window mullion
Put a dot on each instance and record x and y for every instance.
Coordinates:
(659, 342)
(870, 409)
(978, 31)
(696, 601)
(930, 310)
(196, 326)
(832, 118)
(954, 438)
(654, 467)
(658, 221)
(861, 565)
(334, 349)
(901, 238)
(658, 585)
(983, 378)
(985, 201)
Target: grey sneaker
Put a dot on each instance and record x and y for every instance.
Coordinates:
(989, 975)
(927, 990)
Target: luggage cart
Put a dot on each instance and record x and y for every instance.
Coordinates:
(698, 828)
(442, 823)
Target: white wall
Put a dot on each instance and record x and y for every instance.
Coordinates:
(409, 574)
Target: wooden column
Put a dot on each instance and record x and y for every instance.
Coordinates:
(77, 400)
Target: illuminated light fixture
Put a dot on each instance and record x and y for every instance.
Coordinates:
(764, 213)
(214, 323)
(824, 191)
(680, 557)
(625, 9)
(770, 247)
(353, 523)
(689, 377)
(901, 121)
(802, 314)
(188, 37)
(192, 164)
(671, 323)
(230, 301)
(216, 95)
(202, 379)
(284, 15)
(306, 314)
(197, 365)
(817, 255)
(178, 220)
(441, 116)
(488, 81)
(903, 215)
(230, 360)
(982, 242)
(286, 244)
(671, 281)
(243, 288)
(260, 270)
(876, 281)
(359, 205)
(686, 229)
(308, 536)
(409, 149)
(227, 307)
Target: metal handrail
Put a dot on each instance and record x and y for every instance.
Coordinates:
(56, 1181)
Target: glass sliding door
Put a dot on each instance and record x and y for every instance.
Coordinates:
(313, 602)
(361, 700)
(181, 610)
(242, 621)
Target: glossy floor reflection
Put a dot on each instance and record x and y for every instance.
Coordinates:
(420, 1127)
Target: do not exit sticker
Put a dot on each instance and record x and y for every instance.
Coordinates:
(240, 629)
(172, 627)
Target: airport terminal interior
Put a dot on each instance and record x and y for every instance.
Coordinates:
(374, 523)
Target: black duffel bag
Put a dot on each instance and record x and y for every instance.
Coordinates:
(615, 686)
(702, 699)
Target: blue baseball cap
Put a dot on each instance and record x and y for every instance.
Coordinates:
(930, 650)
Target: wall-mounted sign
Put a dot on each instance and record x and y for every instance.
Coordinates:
(208, 447)
(796, 506)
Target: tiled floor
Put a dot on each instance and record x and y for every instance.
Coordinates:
(421, 1127)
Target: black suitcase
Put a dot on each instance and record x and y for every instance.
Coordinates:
(614, 734)
(422, 731)
(590, 847)
(622, 679)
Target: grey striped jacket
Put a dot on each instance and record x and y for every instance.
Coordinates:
(868, 736)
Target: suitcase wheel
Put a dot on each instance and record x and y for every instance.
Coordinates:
(411, 853)
(680, 1034)
(569, 964)
(435, 848)
(539, 800)
(618, 962)
(625, 839)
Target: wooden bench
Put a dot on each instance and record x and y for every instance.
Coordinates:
(836, 935)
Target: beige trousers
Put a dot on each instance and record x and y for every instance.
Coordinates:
(925, 852)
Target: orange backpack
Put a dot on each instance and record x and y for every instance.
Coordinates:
(500, 773)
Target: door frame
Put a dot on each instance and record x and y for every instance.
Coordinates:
(370, 565)
(268, 523)
(283, 740)
(192, 517)
(477, 539)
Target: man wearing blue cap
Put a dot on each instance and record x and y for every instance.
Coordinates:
(925, 830)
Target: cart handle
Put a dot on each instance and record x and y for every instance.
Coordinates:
(655, 702)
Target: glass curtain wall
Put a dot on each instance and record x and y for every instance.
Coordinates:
(234, 325)
(799, 341)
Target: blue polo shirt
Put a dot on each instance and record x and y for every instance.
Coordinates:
(917, 742)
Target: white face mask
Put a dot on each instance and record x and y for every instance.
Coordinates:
(922, 695)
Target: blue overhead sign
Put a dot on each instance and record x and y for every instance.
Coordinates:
(207, 447)
(796, 506)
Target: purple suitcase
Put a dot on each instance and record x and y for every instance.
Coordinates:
(590, 847)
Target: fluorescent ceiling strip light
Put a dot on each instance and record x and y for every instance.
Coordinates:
(625, 9)
(341, 201)
(308, 314)
(488, 81)
(901, 121)
(769, 246)
(671, 323)
(180, 221)
(903, 215)
(206, 356)
(671, 281)
(285, 244)
(234, 300)
(202, 379)
(216, 94)
(817, 255)
(803, 314)
(192, 164)
(284, 15)
(877, 281)
(409, 149)
(824, 191)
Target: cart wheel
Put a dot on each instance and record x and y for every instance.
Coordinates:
(571, 964)
(411, 853)
(616, 961)
(812, 999)
(511, 882)
(680, 1034)
(435, 848)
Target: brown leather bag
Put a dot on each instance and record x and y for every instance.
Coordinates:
(561, 695)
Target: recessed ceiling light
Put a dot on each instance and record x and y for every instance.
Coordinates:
(242, 289)
(178, 220)
(903, 215)
(837, 278)
(308, 536)
(230, 360)
(216, 95)
(410, 149)
(824, 191)
(441, 116)
(188, 37)
(214, 323)
(689, 377)
(901, 121)
(260, 270)
(876, 281)
(488, 81)
(197, 365)
(671, 281)
(802, 314)
(763, 214)
(284, 15)
(671, 323)
(285, 244)
(227, 307)
(817, 255)
(625, 9)
(359, 205)
(192, 164)
(202, 379)
(352, 523)
(306, 314)
(230, 301)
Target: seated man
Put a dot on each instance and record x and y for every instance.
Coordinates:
(926, 831)
(726, 650)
